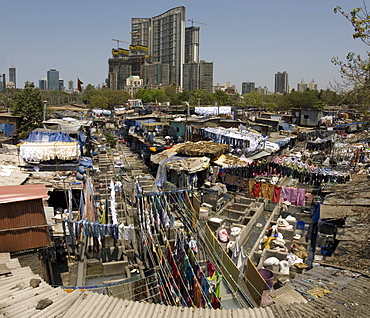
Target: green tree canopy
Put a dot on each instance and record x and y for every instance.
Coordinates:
(201, 97)
(222, 98)
(172, 95)
(307, 99)
(151, 95)
(252, 99)
(28, 104)
(355, 70)
(105, 98)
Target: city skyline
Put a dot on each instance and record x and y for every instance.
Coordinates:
(247, 42)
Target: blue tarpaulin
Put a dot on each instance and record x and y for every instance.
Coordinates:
(349, 124)
(86, 162)
(285, 126)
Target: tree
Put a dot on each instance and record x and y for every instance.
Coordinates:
(88, 94)
(105, 98)
(307, 99)
(222, 98)
(201, 97)
(28, 104)
(172, 95)
(355, 70)
(253, 99)
(151, 95)
(329, 97)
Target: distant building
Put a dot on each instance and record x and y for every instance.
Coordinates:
(231, 89)
(61, 85)
(70, 85)
(12, 76)
(157, 74)
(218, 87)
(43, 84)
(191, 76)
(133, 84)
(247, 87)
(53, 80)
(10, 85)
(198, 76)
(141, 35)
(120, 68)
(206, 76)
(160, 46)
(302, 86)
(2, 82)
(312, 86)
(169, 40)
(281, 82)
(262, 90)
(192, 44)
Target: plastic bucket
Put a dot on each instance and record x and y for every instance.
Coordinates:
(81, 170)
(80, 176)
(268, 276)
(203, 213)
(325, 251)
(300, 225)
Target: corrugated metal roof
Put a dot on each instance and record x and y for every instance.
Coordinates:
(286, 295)
(22, 193)
(19, 299)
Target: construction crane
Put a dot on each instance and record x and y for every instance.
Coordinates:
(119, 41)
(193, 21)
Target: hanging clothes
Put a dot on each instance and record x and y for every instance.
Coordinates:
(197, 294)
(257, 189)
(215, 281)
(277, 192)
(210, 269)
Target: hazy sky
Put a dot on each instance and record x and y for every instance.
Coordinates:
(247, 40)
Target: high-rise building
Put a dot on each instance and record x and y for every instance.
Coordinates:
(141, 36)
(198, 76)
(192, 44)
(248, 87)
(312, 86)
(169, 40)
(3, 82)
(160, 46)
(119, 71)
(281, 82)
(61, 85)
(191, 76)
(53, 79)
(206, 76)
(157, 74)
(12, 76)
(43, 84)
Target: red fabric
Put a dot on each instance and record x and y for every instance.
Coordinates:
(216, 304)
(257, 189)
(197, 294)
(277, 192)
(210, 268)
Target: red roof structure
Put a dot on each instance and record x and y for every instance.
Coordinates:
(18, 193)
(23, 223)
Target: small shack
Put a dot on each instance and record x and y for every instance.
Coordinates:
(23, 223)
